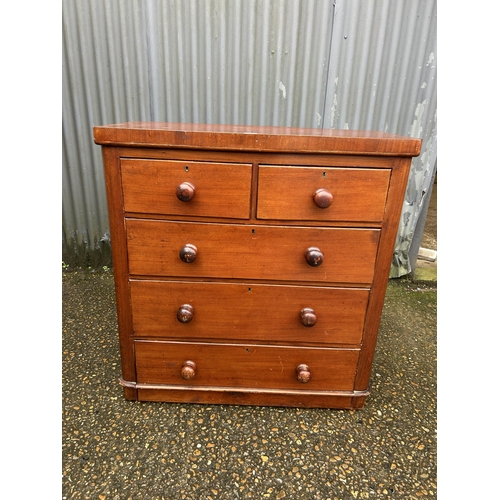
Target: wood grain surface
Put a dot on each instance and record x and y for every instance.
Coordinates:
(221, 189)
(251, 262)
(255, 138)
(249, 365)
(287, 193)
(248, 311)
(251, 252)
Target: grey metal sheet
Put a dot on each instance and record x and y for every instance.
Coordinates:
(263, 62)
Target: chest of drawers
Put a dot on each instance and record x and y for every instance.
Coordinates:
(251, 263)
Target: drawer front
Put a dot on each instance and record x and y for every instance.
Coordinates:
(252, 366)
(256, 252)
(219, 189)
(193, 310)
(356, 194)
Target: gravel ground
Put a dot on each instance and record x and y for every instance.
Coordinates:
(118, 449)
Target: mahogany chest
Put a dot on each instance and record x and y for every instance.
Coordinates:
(251, 263)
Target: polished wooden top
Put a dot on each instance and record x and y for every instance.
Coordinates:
(255, 138)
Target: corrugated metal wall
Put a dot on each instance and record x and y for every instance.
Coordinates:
(382, 76)
(358, 64)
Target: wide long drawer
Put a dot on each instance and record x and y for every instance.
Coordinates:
(192, 188)
(251, 251)
(322, 194)
(290, 314)
(251, 366)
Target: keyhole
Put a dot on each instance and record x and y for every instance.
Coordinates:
(186, 168)
(253, 231)
(324, 174)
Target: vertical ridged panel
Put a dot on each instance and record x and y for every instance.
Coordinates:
(261, 62)
(238, 62)
(382, 76)
(214, 61)
(104, 81)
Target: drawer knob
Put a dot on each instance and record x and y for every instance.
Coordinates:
(323, 198)
(314, 256)
(185, 313)
(308, 316)
(188, 370)
(303, 374)
(185, 191)
(188, 253)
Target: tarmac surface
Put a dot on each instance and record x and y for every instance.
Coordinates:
(120, 450)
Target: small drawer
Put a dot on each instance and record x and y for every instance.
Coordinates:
(187, 249)
(186, 188)
(250, 366)
(246, 312)
(322, 194)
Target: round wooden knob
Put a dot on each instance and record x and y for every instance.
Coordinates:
(188, 253)
(303, 374)
(308, 316)
(185, 191)
(188, 370)
(323, 198)
(185, 313)
(314, 256)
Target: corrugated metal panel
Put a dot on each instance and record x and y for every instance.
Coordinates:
(260, 62)
(382, 76)
(219, 61)
(238, 61)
